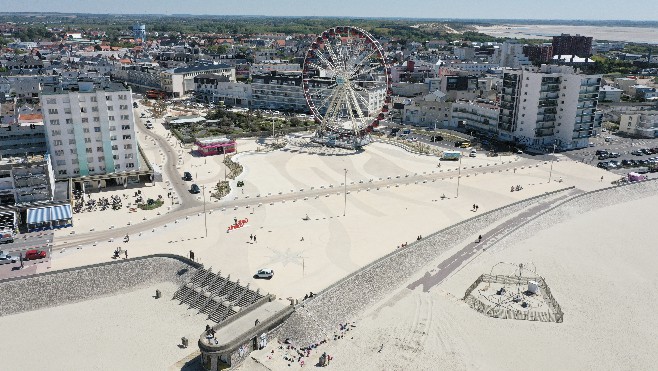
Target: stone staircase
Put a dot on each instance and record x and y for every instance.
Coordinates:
(216, 296)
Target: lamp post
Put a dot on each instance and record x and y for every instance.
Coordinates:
(459, 173)
(345, 206)
(550, 174)
(205, 216)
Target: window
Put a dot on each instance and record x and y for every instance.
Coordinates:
(123, 97)
(128, 156)
(85, 130)
(94, 109)
(117, 166)
(61, 172)
(125, 127)
(125, 117)
(101, 158)
(81, 98)
(116, 157)
(51, 101)
(115, 147)
(71, 141)
(59, 152)
(67, 111)
(88, 150)
(93, 99)
(127, 146)
(97, 129)
(113, 128)
(108, 98)
(110, 118)
(99, 149)
(76, 171)
(70, 131)
(54, 122)
(57, 132)
(87, 140)
(69, 121)
(92, 169)
(130, 164)
(75, 161)
(123, 107)
(73, 151)
(113, 137)
(83, 109)
(97, 119)
(127, 136)
(110, 108)
(61, 162)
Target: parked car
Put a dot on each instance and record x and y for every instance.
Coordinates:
(7, 259)
(264, 273)
(187, 176)
(195, 189)
(600, 152)
(34, 255)
(602, 165)
(613, 155)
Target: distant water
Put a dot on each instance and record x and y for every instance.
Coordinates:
(614, 33)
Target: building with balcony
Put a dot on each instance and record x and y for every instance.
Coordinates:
(609, 93)
(640, 124)
(23, 137)
(510, 54)
(90, 129)
(178, 82)
(549, 105)
(538, 53)
(210, 88)
(26, 180)
(566, 44)
(430, 111)
(476, 116)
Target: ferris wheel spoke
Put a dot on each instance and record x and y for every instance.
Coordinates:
(331, 52)
(364, 59)
(357, 106)
(323, 59)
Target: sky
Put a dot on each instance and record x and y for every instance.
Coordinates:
(490, 9)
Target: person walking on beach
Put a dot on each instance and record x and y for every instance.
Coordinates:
(479, 238)
(254, 238)
(126, 252)
(251, 237)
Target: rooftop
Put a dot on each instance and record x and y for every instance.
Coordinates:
(64, 89)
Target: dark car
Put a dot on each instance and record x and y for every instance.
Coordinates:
(613, 155)
(603, 156)
(187, 176)
(34, 255)
(625, 163)
(195, 189)
(602, 165)
(600, 152)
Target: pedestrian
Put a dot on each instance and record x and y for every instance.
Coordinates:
(126, 252)
(479, 238)
(302, 238)
(473, 206)
(601, 177)
(477, 207)
(235, 220)
(254, 238)
(251, 237)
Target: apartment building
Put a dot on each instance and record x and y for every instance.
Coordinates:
(90, 129)
(549, 105)
(24, 136)
(479, 116)
(431, 111)
(566, 44)
(179, 82)
(25, 180)
(538, 53)
(642, 124)
(510, 54)
(210, 88)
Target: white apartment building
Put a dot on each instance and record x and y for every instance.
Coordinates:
(510, 54)
(90, 129)
(211, 88)
(431, 110)
(643, 124)
(179, 82)
(549, 105)
(473, 115)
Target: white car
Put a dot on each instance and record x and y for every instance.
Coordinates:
(6, 258)
(264, 273)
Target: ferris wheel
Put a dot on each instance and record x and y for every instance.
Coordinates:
(346, 83)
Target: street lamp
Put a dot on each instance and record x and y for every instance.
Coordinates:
(205, 216)
(459, 173)
(345, 207)
(550, 174)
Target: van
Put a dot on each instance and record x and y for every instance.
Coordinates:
(187, 176)
(473, 153)
(195, 189)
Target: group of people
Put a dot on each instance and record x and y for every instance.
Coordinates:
(252, 237)
(403, 245)
(517, 188)
(117, 252)
(476, 207)
(419, 238)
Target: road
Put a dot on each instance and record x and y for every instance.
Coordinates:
(182, 212)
